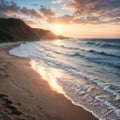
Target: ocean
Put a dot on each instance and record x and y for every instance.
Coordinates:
(86, 71)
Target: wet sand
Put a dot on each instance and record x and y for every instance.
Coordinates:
(24, 95)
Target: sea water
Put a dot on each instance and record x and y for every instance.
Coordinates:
(87, 71)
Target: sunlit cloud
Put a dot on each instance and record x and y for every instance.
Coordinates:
(107, 11)
(69, 7)
(66, 19)
(57, 1)
(85, 11)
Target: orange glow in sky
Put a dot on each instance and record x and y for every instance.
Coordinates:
(87, 30)
(83, 30)
(58, 29)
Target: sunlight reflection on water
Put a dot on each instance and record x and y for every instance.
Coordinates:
(50, 75)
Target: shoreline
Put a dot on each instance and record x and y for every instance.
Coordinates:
(27, 96)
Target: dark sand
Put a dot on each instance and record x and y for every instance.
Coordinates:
(25, 96)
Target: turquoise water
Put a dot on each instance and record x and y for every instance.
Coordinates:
(88, 71)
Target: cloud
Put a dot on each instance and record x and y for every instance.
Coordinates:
(11, 9)
(8, 6)
(62, 19)
(69, 7)
(58, 1)
(94, 11)
(47, 11)
(30, 12)
(78, 11)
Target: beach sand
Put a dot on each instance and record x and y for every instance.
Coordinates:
(25, 96)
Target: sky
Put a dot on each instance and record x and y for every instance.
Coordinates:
(72, 18)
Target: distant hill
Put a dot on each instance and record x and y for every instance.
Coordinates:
(12, 30)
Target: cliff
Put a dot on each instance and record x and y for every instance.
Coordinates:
(13, 30)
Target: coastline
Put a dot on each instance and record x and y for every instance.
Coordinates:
(24, 95)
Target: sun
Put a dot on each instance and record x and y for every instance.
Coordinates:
(57, 29)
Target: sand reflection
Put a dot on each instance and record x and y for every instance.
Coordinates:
(50, 75)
